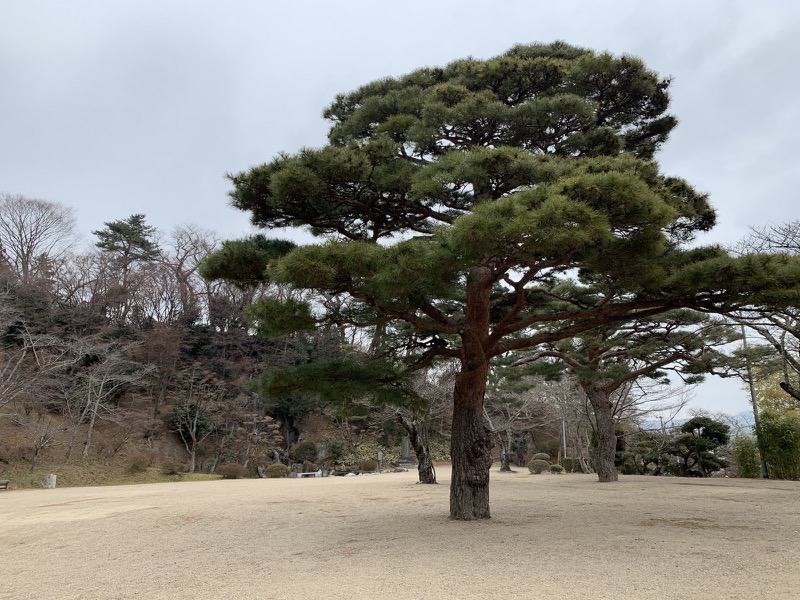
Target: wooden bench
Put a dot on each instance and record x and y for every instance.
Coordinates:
(4, 483)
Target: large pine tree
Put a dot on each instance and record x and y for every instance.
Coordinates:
(457, 201)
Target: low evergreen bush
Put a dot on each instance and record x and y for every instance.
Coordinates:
(541, 456)
(557, 469)
(277, 471)
(536, 466)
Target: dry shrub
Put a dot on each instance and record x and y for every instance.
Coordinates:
(138, 464)
(369, 465)
(172, 467)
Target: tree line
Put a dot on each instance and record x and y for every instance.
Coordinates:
(129, 335)
(127, 338)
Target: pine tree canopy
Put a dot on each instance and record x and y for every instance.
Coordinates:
(682, 341)
(244, 262)
(530, 165)
(342, 380)
(130, 240)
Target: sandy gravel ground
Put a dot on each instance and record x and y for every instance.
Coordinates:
(383, 536)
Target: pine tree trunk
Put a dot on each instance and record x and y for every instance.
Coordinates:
(470, 444)
(606, 451)
(470, 448)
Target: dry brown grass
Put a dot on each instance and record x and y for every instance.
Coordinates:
(383, 536)
(90, 472)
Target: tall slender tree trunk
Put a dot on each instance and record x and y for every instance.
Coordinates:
(470, 444)
(193, 438)
(505, 452)
(520, 450)
(606, 451)
(43, 439)
(95, 404)
(503, 438)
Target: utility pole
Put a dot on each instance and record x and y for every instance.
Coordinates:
(764, 472)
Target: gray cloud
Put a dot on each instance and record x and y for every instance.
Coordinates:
(143, 105)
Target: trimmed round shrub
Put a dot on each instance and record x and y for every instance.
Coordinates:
(536, 466)
(368, 465)
(541, 456)
(277, 470)
(172, 467)
(231, 471)
(557, 469)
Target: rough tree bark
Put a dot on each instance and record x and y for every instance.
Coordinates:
(606, 450)
(470, 444)
(417, 429)
(470, 449)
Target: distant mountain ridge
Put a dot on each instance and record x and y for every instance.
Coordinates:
(742, 421)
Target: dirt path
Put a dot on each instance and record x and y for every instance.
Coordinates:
(383, 536)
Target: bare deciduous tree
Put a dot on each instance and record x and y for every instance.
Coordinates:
(186, 248)
(105, 370)
(27, 360)
(34, 235)
(192, 417)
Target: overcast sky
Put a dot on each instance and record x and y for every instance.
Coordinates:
(142, 106)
